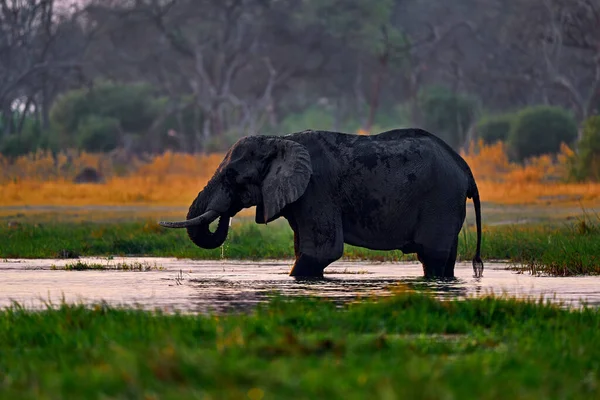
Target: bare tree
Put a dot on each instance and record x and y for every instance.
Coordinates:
(38, 47)
(570, 45)
(221, 59)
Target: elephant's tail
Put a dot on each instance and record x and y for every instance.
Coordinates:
(474, 194)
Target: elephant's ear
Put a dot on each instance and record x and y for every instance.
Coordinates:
(287, 177)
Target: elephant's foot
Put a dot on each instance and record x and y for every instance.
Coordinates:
(434, 266)
(477, 267)
(451, 261)
(449, 272)
(308, 267)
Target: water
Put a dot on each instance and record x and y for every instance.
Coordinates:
(224, 286)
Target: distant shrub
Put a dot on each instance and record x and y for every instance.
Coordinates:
(314, 117)
(222, 143)
(98, 133)
(324, 117)
(133, 106)
(447, 114)
(540, 130)
(585, 164)
(28, 141)
(17, 145)
(495, 128)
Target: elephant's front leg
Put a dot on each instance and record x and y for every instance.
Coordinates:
(310, 267)
(317, 244)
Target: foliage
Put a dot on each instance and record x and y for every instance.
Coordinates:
(409, 345)
(238, 62)
(540, 130)
(97, 133)
(82, 115)
(585, 164)
(447, 114)
(30, 139)
(495, 128)
(222, 142)
(17, 145)
(322, 118)
(359, 22)
(311, 118)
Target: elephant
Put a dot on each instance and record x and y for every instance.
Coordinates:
(402, 189)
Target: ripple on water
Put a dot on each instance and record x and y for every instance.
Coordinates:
(216, 286)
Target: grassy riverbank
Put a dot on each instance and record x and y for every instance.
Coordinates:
(407, 346)
(563, 249)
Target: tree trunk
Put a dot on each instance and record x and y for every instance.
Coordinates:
(45, 105)
(23, 114)
(375, 93)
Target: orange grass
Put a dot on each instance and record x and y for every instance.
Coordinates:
(541, 180)
(169, 179)
(175, 179)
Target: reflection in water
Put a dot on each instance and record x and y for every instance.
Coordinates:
(228, 296)
(211, 286)
(442, 289)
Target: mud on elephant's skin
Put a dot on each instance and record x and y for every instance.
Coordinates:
(402, 189)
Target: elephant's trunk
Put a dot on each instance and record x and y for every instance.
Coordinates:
(200, 234)
(203, 237)
(201, 214)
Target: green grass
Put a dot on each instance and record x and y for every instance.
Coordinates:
(406, 346)
(134, 266)
(563, 250)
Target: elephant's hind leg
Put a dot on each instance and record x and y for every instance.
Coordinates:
(434, 262)
(439, 263)
(450, 263)
(438, 244)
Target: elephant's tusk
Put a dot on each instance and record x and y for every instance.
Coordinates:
(203, 219)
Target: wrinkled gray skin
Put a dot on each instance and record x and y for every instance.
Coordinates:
(403, 189)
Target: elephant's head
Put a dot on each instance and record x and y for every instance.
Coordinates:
(263, 171)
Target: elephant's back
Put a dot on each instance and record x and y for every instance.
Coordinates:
(432, 152)
(429, 140)
(407, 170)
(392, 159)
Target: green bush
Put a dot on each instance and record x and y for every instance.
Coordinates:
(314, 117)
(447, 114)
(98, 133)
(495, 128)
(17, 145)
(133, 106)
(68, 109)
(540, 130)
(29, 140)
(585, 164)
(319, 118)
(222, 143)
